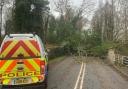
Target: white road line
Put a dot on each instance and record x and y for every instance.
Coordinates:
(78, 78)
(82, 80)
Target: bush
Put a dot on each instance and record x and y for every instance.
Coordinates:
(101, 50)
(56, 52)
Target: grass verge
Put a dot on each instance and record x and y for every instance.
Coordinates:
(58, 59)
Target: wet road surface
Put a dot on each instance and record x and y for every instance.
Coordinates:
(89, 74)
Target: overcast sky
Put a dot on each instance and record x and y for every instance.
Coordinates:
(75, 3)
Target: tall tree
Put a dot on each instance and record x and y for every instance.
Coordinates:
(3, 4)
(103, 22)
(28, 15)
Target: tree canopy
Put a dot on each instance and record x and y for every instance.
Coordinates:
(28, 15)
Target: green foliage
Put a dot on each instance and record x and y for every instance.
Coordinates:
(109, 44)
(28, 19)
(123, 49)
(72, 42)
(59, 30)
(56, 52)
(63, 33)
(93, 40)
(98, 51)
(102, 49)
(66, 33)
(9, 26)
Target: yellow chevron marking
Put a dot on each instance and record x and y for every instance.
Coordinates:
(7, 50)
(34, 64)
(6, 65)
(33, 49)
(20, 50)
(26, 68)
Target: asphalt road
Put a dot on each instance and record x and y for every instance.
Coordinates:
(89, 74)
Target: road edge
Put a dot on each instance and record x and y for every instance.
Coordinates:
(124, 75)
